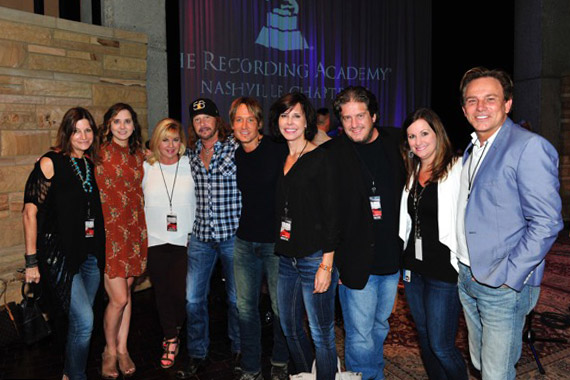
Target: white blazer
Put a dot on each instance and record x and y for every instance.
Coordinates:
(447, 196)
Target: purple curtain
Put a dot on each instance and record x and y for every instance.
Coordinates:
(266, 48)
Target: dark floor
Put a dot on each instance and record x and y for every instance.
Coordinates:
(44, 360)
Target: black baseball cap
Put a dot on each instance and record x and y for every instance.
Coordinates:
(203, 106)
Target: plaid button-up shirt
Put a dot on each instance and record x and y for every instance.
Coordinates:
(218, 200)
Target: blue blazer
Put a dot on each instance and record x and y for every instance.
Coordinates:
(513, 214)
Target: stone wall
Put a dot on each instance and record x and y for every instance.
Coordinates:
(48, 65)
(541, 75)
(149, 17)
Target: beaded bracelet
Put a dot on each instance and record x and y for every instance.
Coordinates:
(326, 268)
(31, 260)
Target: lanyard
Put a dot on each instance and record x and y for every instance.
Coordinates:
(285, 185)
(416, 204)
(85, 181)
(171, 195)
(471, 175)
(367, 170)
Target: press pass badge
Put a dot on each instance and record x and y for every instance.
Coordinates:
(376, 207)
(171, 223)
(419, 253)
(285, 231)
(407, 275)
(89, 228)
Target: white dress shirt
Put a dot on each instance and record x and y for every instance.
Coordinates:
(470, 168)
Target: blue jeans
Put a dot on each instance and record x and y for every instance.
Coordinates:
(295, 295)
(202, 257)
(435, 308)
(251, 262)
(83, 290)
(365, 313)
(495, 319)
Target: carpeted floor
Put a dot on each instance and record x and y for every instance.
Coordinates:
(44, 360)
(402, 352)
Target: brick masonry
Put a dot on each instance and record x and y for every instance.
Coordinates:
(48, 65)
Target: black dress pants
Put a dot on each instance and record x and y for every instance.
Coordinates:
(167, 265)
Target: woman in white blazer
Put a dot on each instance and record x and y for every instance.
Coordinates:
(427, 226)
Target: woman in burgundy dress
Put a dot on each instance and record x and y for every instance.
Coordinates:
(119, 176)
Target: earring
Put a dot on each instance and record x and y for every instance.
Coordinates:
(411, 154)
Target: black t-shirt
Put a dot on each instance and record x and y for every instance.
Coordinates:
(376, 167)
(435, 261)
(257, 174)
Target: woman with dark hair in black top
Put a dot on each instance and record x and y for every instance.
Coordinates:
(64, 232)
(427, 226)
(306, 238)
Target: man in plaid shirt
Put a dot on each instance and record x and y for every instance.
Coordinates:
(218, 207)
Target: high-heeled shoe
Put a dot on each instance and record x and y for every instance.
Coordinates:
(126, 365)
(166, 361)
(109, 366)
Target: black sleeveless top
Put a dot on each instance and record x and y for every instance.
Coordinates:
(63, 207)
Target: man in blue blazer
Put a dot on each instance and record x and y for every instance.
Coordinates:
(509, 217)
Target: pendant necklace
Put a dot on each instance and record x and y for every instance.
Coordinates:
(85, 181)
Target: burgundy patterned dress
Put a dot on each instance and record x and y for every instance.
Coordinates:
(119, 177)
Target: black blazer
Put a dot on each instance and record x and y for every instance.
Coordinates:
(354, 255)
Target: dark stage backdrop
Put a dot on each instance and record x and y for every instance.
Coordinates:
(267, 48)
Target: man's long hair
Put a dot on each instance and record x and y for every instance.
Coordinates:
(221, 126)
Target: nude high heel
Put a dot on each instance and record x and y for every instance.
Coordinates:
(109, 366)
(126, 365)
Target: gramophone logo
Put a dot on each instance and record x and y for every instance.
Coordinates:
(281, 31)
